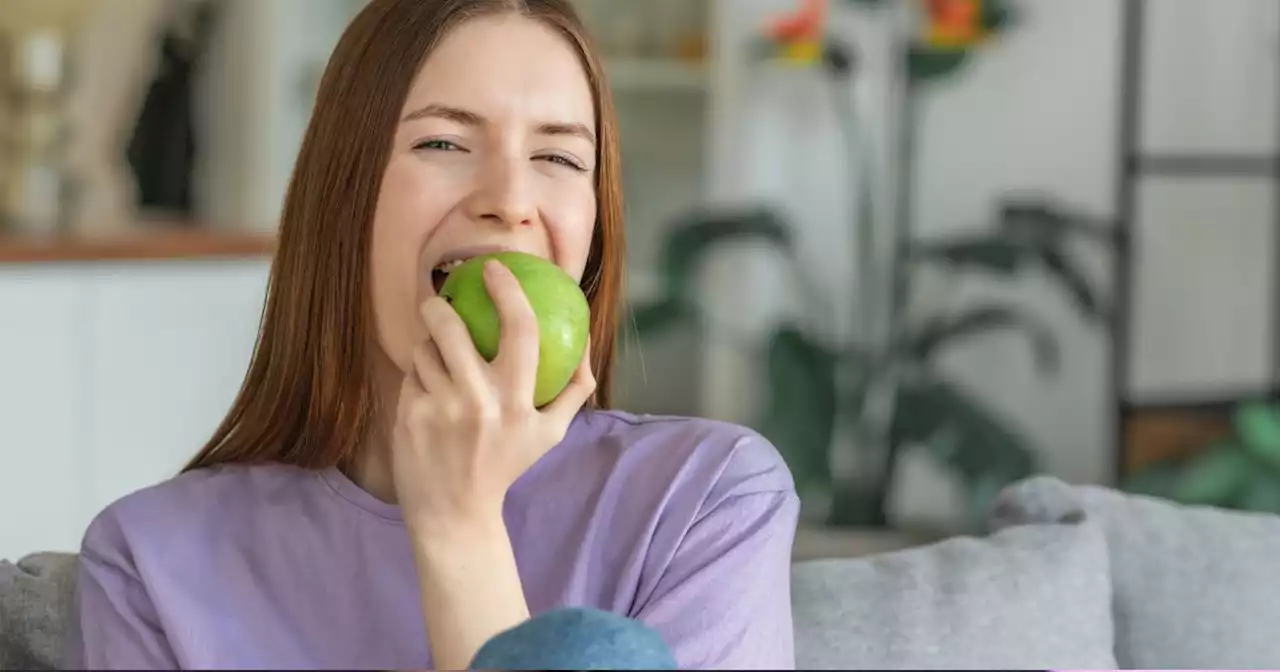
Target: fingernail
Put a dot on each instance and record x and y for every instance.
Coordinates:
(492, 268)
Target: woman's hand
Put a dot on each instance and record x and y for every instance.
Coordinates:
(466, 429)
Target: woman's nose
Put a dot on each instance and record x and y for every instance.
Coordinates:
(504, 195)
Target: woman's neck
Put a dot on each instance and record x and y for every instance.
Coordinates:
(372, 470)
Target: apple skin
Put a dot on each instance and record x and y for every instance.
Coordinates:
(564, 316)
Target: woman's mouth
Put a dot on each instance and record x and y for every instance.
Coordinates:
(452, 260)
(441, 272)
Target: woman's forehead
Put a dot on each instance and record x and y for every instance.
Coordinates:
(506, 67)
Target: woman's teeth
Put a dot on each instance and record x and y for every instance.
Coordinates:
(448, 266)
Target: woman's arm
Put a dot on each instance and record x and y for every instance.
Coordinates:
(470, 590)
(723, 600)
(465, 430)
(114, 625)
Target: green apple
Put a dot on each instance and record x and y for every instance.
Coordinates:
(564, 317)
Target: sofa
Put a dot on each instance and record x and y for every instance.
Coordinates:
(1067, 577)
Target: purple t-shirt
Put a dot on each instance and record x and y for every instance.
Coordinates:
(684, 524)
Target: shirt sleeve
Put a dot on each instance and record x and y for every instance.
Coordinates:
(724, 601)
(114, 625)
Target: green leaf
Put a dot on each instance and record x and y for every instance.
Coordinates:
(925, 64)
(1076, 284)
(1214, 477)
(1258, 425)
(984, 252)
(802, 405)
(1156, 480)
(930, 338)
(1050, 225)
(920, 413)
(967, 438)
(690, 241)
(660, 315)
(1260, 492)
(997, 16)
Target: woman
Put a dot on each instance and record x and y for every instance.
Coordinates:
(379, 496)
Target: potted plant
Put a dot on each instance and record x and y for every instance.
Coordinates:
(872, 396)
(814, 385)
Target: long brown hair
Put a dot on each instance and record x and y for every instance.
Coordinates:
(309, 397)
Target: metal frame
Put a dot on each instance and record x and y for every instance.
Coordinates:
(1132, 165)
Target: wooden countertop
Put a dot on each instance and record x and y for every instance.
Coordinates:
(152, 243)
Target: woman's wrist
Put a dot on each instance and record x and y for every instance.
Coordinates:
(446, 540)
(470, 586)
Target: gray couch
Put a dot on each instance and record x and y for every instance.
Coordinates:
(1069, 578)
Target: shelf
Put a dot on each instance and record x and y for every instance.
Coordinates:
(656, 74)
(143, 244)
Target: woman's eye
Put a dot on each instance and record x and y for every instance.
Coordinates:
(438, 145)
(565, 161)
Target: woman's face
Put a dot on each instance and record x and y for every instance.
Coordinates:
(495, 150)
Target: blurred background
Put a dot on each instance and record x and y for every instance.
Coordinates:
(926, 247)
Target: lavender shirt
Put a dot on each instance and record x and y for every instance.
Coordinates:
(684, 524)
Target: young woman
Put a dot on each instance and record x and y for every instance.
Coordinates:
(379, 496)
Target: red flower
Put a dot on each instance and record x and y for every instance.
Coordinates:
(806, 24)
(954, 22)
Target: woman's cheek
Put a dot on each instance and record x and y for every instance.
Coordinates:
(573, 231)
(572, 247)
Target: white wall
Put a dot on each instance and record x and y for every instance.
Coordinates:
(1036, 111)
(114, 374)
(255, 101)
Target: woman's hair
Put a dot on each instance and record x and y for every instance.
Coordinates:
(309, 397)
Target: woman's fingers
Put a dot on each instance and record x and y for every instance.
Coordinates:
(411, 390)
(582, 385)
(428, 364)
(518, 343)
(463, 364)
(411, 394)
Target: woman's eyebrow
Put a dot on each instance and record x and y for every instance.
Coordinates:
(469, 118)
(448, 112)
(568, 128)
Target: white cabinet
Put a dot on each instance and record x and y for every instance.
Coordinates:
(170, 344)
(42, 363)
(112, 375)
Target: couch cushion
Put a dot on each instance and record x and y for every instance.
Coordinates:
(1032, 597)
(36, 596)
(1194, 587)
